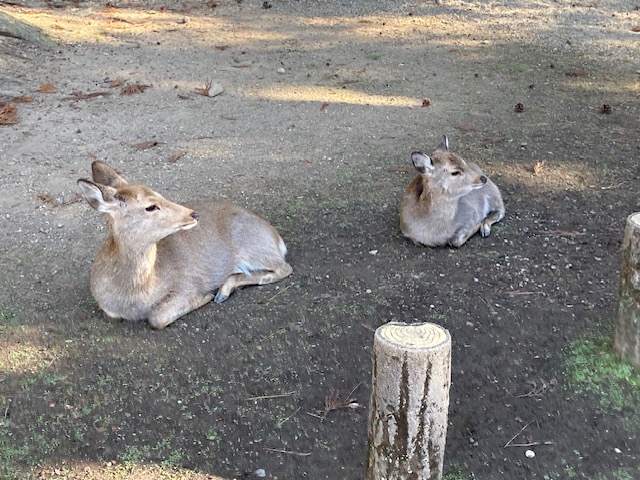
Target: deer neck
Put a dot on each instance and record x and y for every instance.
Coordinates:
(135, 267)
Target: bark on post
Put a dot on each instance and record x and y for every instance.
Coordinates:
(409, 402)
(627, 335)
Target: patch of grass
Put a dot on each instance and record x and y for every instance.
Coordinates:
(374, 56)
(9, 317)
(593, 368)
(456, 475)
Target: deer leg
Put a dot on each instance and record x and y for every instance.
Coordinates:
(493, 217)
(258, 277)
(171, 309)
(111, 319)
(462, 235)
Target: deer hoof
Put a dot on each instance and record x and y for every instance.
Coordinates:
(220, 297)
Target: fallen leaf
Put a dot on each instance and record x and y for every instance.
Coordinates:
(636, 28)
(204, 90)
(131, 89)
(8, 114)
(537, 168)
(324, 106)
(118, 82)
(23, 99)
(46, 88)
(48, 199)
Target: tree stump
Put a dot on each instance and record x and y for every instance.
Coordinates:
(627, 336)
(409, 402)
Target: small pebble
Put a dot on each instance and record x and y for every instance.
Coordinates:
(260, 473)
(530, 454)
(281, 70)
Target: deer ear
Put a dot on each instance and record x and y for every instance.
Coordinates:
(105, 175)
(101, 197)
(443, 146)
(422, 162)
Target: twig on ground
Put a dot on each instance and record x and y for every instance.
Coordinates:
(493, 310)
(508, 444)
(266, 397)
(536, 391)
(523, 293)
(288, 452)
(176, 155)
(282, 290)
(528, 444)
(6, 410)
(368, 327)
(563, 233)
(78, 95)
(613, 185)
(145, 145)
(287, 419)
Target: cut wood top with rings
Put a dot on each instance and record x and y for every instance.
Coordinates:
(416, 335)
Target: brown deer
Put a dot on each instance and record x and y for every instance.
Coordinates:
(161, 260)
(449, 200)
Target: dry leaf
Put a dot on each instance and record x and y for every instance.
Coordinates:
(176, 155)
(324, 106)
(46, 88)
(576, 72)
(8, 114)
(145, 145)
(23, 99)
(636, 28)
(131, 89)
(204, 90)
(537, 168)
(118, 82)
(48, 199)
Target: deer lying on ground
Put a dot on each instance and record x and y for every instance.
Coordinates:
(161, 260)
(449, 200)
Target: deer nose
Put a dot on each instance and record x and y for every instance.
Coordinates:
(483, 179)
(195, 215)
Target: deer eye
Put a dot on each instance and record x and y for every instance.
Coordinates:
(455, 173)
(151, 208)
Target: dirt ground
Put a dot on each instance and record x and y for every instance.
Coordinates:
(322, 104)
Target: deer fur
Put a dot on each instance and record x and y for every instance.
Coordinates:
(161, 260)
(449, 200)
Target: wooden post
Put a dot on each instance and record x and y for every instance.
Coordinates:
(627, 337)
(409, 402)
